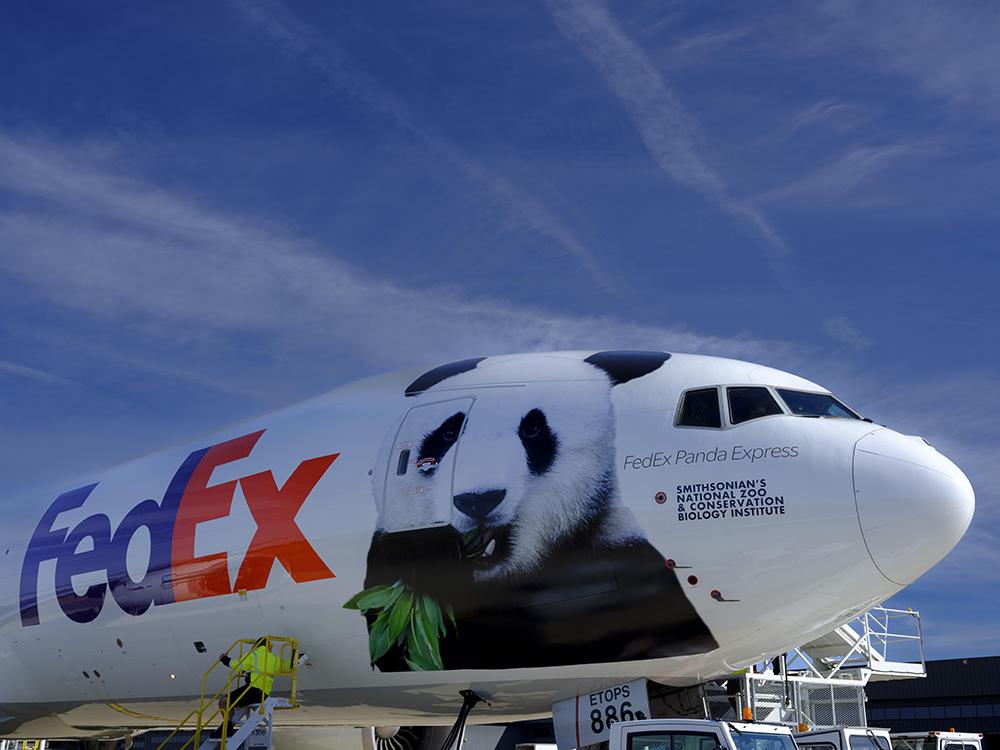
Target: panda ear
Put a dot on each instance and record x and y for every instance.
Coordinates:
(435, 376)
(623, 366)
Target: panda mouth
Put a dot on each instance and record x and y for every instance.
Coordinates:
(487, 547)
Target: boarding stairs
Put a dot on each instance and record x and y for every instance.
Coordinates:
(252, 725)
(822, 682)
(880, 644)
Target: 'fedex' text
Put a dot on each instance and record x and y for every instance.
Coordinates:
(174, 573)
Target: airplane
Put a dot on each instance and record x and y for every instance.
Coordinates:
(529, 526)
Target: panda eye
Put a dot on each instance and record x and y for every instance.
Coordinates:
(438, 442)
(531, 426)
(540, 444)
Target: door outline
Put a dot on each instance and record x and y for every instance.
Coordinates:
(397, 447)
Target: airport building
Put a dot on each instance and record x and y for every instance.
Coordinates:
(963, 694)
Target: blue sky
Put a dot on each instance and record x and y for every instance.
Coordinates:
(208, 211)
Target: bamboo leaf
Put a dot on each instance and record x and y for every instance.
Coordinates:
(413, 648)
(451, 616)
(378, 639)
(371, 598)
(433, 611)
(420, 664)
(426, 632)
(399, 615)
(415, 643)
(418, 657)
(395, 591)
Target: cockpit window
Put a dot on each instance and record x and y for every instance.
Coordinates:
(805, 404)
(750, 402)
(700, 408)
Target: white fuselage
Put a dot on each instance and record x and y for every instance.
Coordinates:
(774, 530)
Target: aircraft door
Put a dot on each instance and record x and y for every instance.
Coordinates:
(417, 491)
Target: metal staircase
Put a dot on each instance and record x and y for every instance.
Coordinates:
(880, 644)
(253, 725)
(824, 680)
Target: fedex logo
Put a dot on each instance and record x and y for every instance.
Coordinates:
(174, 573)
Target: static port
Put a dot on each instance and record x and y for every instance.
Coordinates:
(693, 580)
(85, 674)
(119, 642)
(199, 646)
(97, 674)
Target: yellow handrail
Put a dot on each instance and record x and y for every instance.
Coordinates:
(287, 653)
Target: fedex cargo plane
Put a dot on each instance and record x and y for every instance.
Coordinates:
(529, 526)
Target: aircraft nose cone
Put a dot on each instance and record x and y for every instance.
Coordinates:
(914, 504)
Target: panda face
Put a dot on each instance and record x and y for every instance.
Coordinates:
(531, 466)
(515, 452)
(487, 502)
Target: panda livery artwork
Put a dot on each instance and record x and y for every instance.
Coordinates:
(522, 554)
(533, 527)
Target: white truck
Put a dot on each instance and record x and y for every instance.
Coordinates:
(844, 738)
(698, 734)
(937, 741)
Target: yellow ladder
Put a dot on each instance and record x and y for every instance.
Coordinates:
(208, 712)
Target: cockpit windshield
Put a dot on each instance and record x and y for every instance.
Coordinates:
(805, 404)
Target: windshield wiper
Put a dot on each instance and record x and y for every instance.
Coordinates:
(875, 738)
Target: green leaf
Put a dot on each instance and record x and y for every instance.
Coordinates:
(412, 647)
(433, 611)
(371, 598)
(451, 616)
(419, 657)
(395, 592)
(399, 615)
(426, 633)
(378, 639)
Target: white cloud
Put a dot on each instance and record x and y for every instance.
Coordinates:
(949, 50)
(844, 331)
(30, 373)
(671, 134)
(299, 40)
(115, 248)
(708, 43)
(830, 184)
(836, 114)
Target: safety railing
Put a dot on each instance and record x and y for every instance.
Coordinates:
(881, 640)
(240, 655)
(884, 626)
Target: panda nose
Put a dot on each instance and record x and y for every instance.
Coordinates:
(479, 504)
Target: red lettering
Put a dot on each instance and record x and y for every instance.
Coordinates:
(278, 537)
(195, 577)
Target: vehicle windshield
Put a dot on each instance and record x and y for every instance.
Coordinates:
(673, 741)
(805, 404)
(868, 742)
(762, 741)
